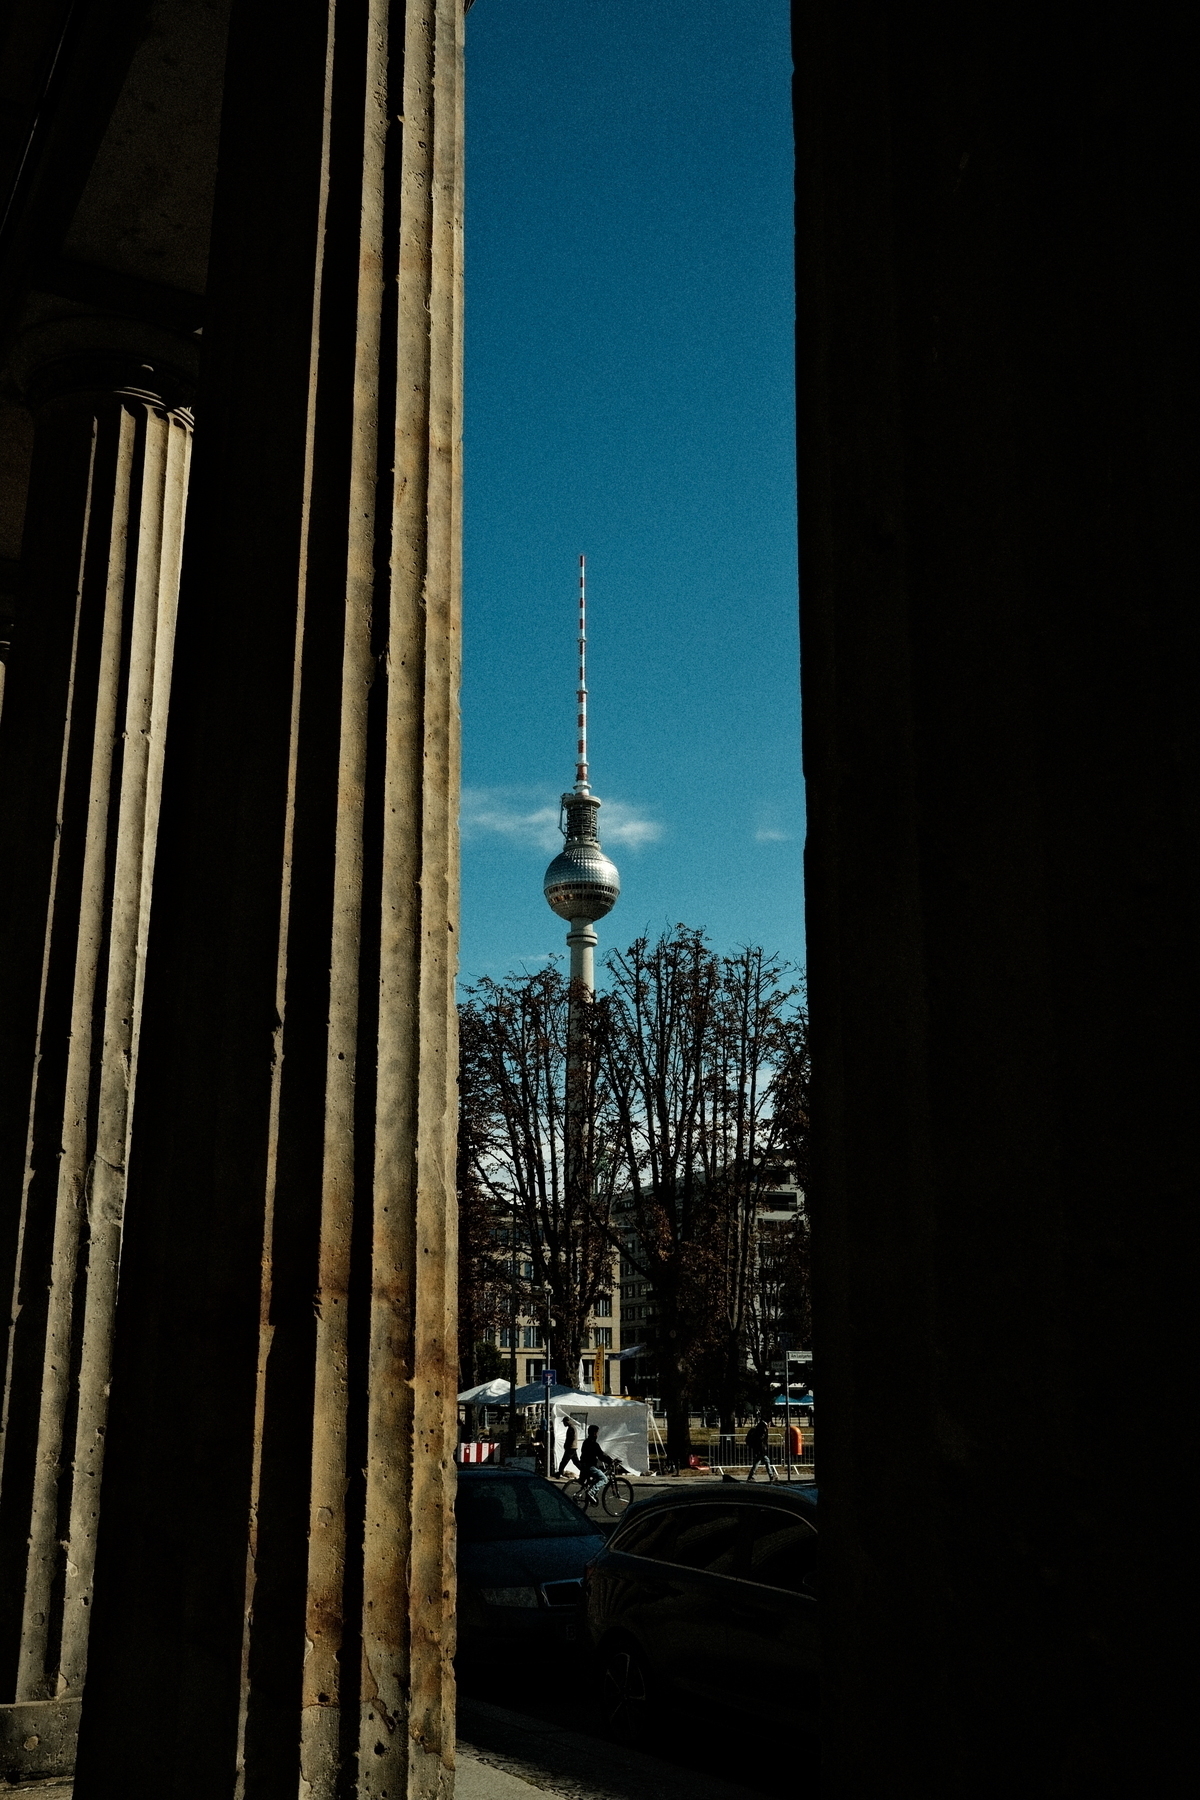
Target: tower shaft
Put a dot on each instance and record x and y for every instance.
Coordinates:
(582, 941)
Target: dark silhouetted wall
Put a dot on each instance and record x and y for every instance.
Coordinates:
(998, 616)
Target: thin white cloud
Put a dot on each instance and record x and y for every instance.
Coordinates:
(508, 813)
(766, 836)
(621, 824)
(497, 812)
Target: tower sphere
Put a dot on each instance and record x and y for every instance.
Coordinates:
(581, 882)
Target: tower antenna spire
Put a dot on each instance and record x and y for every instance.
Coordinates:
(581, 755)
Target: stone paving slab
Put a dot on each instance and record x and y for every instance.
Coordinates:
(478, 1780)
(505, 1755)
(546, 1756)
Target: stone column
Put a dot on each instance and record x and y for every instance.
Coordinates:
(277, 1526)
(999, 661)
(80, 772)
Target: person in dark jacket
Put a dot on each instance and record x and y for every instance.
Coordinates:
(570, 1450)
(594, 1463)
(756, 1444)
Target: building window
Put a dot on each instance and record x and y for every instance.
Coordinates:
(604, 1337)
(604, 1306)
(533, 1371)
(531, 1337)
(589, 1370)
(506, 1337)
(526, 1271)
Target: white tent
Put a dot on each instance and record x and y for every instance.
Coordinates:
(488, 1393)
(535, 1393)
(623, 1426)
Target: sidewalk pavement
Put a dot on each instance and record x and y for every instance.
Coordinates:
(519, 1755)
(504, 1755)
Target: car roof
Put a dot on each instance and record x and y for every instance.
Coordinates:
(484, 1472)
(796, 1497)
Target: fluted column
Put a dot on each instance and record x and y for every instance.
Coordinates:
(81, 748)
(277, 1527)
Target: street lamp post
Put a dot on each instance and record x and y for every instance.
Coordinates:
(785, 1346)
(548, 1366)
(512, 1334)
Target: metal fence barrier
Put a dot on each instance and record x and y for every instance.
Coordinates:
(728, 1450)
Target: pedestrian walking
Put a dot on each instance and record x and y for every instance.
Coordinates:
(756, 1444)
(570, 1440)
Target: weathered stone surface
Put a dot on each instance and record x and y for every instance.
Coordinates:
(276, 1529)
(81, 746)
(37, 1742)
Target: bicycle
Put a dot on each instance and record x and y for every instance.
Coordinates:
(610, 1488)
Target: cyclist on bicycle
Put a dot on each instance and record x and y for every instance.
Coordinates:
(593, 1460)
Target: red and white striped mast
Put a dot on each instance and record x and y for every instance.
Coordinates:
(581, 760)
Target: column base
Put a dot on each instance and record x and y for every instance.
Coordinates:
(37, 1739)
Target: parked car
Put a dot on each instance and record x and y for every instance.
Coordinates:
(709, 1597)
(522, 1551)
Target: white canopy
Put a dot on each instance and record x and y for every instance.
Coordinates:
(488, 1393)
(572, 1397)
(535, 1394)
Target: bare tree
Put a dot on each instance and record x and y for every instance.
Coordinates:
(662, 1008)
(527, 1061)
(781, 1298)
(744, 1151)
(791, 1087)
(689, 1080)
(696, 1046)
(485, 1299)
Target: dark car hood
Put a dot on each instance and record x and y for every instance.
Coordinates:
(524, 1562)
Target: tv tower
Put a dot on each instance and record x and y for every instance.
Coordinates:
(581, 883)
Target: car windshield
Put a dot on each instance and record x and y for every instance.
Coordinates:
(492, 1509)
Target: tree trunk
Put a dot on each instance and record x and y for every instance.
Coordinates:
(728, 1390)
(675, 1398)
(569, 1351)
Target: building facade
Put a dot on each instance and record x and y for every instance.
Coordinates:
(527, 1336)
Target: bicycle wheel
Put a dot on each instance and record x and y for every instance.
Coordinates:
(578, 1494)
(618, 1495)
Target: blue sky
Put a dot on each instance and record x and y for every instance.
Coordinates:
(629, 394)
